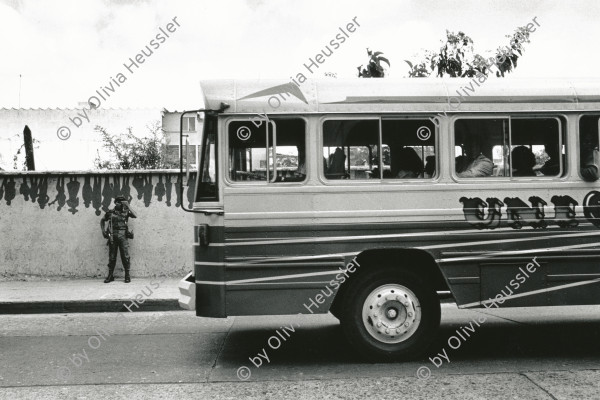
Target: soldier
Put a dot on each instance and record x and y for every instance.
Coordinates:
(117, 234)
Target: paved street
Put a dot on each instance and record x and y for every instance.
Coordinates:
(539, 353)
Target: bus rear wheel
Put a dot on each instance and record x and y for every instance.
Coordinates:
(390, 315)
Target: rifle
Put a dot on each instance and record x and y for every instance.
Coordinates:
(109, 231)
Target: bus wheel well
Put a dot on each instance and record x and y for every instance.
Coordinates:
(420, 262)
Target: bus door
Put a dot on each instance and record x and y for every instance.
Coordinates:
(204, 192)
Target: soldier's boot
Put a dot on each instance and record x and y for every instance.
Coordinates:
(127, 277)
(110, 276)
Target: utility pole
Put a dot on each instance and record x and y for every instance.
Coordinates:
(28, 141)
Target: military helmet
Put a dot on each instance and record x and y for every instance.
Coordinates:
(119, 199)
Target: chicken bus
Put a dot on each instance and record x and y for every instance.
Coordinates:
(375, 199)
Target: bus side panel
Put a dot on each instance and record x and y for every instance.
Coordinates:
(290, 299)
(268, 274)
(209, 272)
(478, 256)
(299, 268)
(571, 270)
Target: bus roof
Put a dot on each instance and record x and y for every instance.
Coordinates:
(408, 95)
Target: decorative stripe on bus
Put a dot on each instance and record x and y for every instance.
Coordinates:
(359, 237)
(475, 258)
(431, 247)
(488, 255)
(531, 293)
(481, 256)
(271, 278)
(275, 241)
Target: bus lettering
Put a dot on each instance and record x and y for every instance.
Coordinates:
(520, 214)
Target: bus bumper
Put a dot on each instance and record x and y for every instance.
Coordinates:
(187, 292)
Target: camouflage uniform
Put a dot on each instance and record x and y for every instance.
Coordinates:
(118, 218)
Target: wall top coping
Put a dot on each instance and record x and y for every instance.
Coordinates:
(94, 172)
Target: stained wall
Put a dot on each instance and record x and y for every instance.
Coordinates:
(50, 223)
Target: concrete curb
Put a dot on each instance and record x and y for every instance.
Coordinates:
(87, 306)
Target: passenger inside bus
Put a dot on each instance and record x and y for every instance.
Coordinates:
(478, 164)
(406, 144)
(461, 163)
(474, 140)
(410, 164)
(429, 166)
(552, 166)
(336, 168)
(523, 161)
(590, 158)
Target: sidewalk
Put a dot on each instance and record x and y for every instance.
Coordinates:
(88, 295)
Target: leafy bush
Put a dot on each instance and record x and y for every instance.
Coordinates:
(374, 69)
(456, 57)
(129, 151)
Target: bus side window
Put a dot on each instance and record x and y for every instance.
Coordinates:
(588, 147)
(252, 155)
(350, 149)
(487, 147)
(410, 145)
(290, 149)
(247, 151)
(481, 148)
(536, 147)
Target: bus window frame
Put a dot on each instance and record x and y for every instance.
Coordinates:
(560, 144)
(436, 146)
(237, 118)
(201, 159)
(380, 180)
(563, 170)
(345, 117)
(451, 148)
(578, 141)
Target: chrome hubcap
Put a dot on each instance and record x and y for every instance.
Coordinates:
(391, 313)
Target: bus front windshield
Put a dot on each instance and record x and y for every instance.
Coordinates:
(207, 180)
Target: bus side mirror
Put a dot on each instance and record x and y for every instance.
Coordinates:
(187, 163)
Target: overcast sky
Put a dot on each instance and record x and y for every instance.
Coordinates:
(66, 50)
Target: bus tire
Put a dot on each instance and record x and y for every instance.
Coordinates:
(390, 314)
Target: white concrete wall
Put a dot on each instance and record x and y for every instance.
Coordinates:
(50, 223)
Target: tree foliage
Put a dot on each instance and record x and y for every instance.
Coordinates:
(457, 58)
(128, 151)
(374, 69)
(19, 159)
